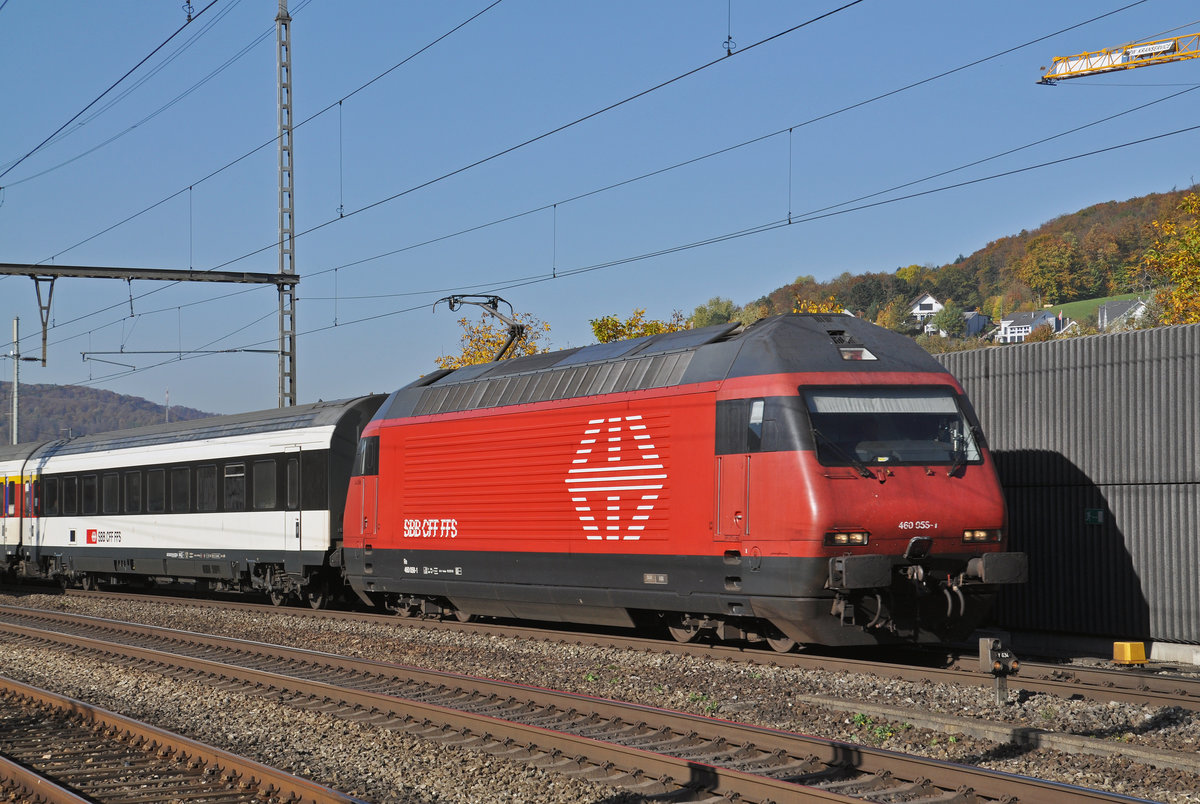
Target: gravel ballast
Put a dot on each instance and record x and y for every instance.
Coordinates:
(386, 766)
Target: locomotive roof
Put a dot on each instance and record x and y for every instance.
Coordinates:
(316, 414)
(790, 343)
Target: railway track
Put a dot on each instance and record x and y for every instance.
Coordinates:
(1135, 686)
(58, 750)
(652, 751)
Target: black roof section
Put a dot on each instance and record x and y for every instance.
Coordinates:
(781, 344)
(317, 414)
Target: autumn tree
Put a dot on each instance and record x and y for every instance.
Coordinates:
(1051, 267)
(1040, 334)
(611, 328)
(829, 305)
(482, 339)
(1175, 256)
(895, 316)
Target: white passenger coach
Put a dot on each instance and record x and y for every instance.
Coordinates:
(249, 501)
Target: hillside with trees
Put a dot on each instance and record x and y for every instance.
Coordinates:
(1098, 251)
(57, 411)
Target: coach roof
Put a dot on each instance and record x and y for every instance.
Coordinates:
(317, 414)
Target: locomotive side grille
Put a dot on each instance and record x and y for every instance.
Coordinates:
(617, 376)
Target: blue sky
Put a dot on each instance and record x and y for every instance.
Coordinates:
(520, 70)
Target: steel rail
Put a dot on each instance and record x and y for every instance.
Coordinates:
(254, 778)
(19, 783)
(385, 707)
(1098, 684)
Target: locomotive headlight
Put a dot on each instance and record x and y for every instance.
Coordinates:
(981, 536)
(839, 539)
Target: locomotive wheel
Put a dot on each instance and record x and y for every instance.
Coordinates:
(462, 616)
(781, 644)
(683, 632)
(317, 594)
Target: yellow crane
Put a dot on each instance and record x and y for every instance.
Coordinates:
(1125, 57)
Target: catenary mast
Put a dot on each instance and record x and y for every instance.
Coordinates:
(287, 233)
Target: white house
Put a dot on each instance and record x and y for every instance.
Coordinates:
(924, 306)
(1015, 326)
(1117, 315)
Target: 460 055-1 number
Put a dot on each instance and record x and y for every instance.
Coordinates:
(919, 524)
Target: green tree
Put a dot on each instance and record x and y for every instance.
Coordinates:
(950, 320)
(481, 340)
(714, 311)
(610, 328)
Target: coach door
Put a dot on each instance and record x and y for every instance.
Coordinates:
(9, 521)
(293, 521)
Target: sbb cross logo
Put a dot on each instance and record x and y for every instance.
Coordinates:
(615, 478)
(91, 536)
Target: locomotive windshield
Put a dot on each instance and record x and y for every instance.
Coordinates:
(864, 426)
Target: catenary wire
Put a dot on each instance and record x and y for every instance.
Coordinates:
(716, 153)
(111, 87)
(460, 170)
(722, 238)
(160, 110)
(856, 105)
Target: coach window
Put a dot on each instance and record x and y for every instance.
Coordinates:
(264, 485)
(156, 491)
(293, 483)
(133, 492)
(181, 495)
(89, 490)
(313, 479)
(10, 498)
(50, 496)
(206, 488)
(235, 487)
(110, 494)
(70, 495)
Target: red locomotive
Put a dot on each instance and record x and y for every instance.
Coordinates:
(807, 479)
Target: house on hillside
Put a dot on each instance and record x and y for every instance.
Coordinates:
(923, 308)
(1015, 326)
(977, 323)
(1118, 315)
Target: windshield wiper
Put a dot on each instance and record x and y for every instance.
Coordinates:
(853, 460)
(960, 456)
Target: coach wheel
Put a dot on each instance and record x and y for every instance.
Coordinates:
(87, 582)
(683, 630)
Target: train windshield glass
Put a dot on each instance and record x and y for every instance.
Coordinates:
(865, 426)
